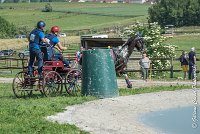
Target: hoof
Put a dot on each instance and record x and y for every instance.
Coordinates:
(129, 86)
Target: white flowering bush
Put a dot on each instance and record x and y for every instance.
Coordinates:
(155, 47)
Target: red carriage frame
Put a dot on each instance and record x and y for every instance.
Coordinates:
(54, 77)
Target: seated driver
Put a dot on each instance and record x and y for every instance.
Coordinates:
(55, 43)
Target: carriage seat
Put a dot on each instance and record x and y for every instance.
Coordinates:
(52, 65)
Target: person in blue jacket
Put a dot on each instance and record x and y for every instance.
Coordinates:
(36, 37)
(192, 63)
(55, 43)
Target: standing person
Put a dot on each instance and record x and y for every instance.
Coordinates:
(184, 63)
(36, 37)
(192, 62)
(79, 55)
(55, 43)
(144, 64)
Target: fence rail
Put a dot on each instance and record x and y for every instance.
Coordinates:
(18, 63)
(171, 69)
(7, 62)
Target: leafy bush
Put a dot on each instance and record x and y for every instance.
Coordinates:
(7, 30)
(153, 42)
(48, 8)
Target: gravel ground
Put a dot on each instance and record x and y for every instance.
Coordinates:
(136, 83)
(120, 115)
(142, 83)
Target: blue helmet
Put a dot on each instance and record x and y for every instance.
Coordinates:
(41, 24)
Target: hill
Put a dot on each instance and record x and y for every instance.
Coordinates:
(74, 16)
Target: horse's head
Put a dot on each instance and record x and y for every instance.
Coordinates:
(133, 42)
(139, 43)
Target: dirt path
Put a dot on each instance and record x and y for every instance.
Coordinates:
(142, 83)
(6, 80)
(136, 83)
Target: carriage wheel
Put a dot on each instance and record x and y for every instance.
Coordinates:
(52, 84)
(73, 82)
(22, 85)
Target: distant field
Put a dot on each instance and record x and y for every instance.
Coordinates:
(188, 29)
(25, 14)
(63, 20)
(19, 44)
(185, 42)
(129, 10)
(100, 8)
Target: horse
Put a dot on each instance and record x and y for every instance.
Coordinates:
(122, 53)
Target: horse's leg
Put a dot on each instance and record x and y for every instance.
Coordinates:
(129, 84)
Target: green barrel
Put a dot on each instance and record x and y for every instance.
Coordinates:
(98, 71)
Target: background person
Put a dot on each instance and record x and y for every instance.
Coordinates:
(79, 55)
(192, 63)
(144, 64)
(55, 43)
(36, 37)
(184, 63)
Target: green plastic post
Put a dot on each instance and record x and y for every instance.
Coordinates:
(99, 76)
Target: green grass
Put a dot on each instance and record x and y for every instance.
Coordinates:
(129, 10)
(89, 7)
(25, 14)
(63, 20)
(185, 42)
(27, 116)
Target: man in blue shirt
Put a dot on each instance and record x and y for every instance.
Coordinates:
(36, 37)
(55, 43)
(192, 62)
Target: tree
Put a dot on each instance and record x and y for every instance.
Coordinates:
(7, 30)
(178, 13)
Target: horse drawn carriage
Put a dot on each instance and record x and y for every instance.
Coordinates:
(55, 77)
